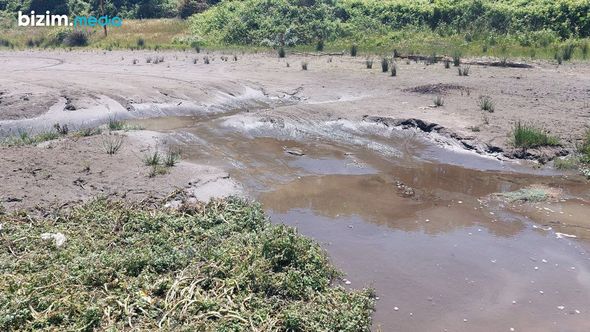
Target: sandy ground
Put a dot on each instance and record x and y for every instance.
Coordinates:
(84, 88)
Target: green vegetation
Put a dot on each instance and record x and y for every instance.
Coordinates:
(215, 267)
(527, 195)
(503, 27)
(25, 138)
(528, 136)
(584, 148)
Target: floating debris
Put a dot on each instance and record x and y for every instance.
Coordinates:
(563, 235)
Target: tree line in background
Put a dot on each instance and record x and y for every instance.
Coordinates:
(309, 21)
(128, 9)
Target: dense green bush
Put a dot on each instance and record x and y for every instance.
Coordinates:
(276, 22)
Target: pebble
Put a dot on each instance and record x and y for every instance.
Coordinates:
(536, 267)
(465, 320)
(560, 307)
(395, 308)
(512, 329)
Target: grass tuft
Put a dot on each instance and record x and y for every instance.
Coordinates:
(111, 144)
(486, 104)
(528, 136)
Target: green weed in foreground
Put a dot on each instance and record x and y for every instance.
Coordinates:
(528, 136)
(215, 267)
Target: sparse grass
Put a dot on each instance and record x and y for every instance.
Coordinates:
(206, 60)
(303, 65)
(464, 71)
(447, 64)
(86, 132)
(220, 266)
(569, 163)
(24, 138)
(528, 136)
(384, 65)
(152, 158)
(369, 63)
(486, 104)
(171, 157)
(156, 170)
(115, 124)
(111, 144)
(438, 101)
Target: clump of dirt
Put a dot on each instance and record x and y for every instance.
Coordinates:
(438, 88)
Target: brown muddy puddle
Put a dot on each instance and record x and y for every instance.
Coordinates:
(415, 225)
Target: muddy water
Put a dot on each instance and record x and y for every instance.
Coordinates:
(418, 224)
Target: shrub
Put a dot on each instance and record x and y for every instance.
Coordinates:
(486, 104)
(394, 69)
(303, 65)
(528, 136)
(76, 38)
(369, 63)
(281, 52)
(320, 45)
(353, 50)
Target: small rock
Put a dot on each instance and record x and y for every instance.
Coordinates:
(58, 238)
(395, 308)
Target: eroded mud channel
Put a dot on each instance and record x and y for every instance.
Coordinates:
(419, 223)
